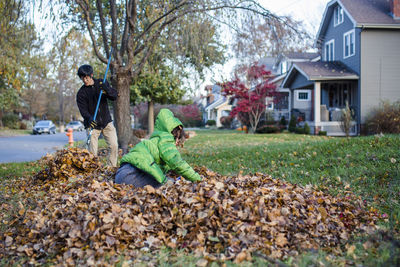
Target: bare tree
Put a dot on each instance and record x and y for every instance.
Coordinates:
(257, 38)
(65, 57)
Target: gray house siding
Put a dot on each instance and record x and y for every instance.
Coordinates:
(380, 71)
(305, 104)
(336, 33)
(300, 82)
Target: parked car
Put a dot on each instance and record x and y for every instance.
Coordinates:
(75, 125)
(44, 127)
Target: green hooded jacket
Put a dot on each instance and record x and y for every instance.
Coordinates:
(159, 154)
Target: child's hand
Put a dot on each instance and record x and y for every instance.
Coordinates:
(88, 81)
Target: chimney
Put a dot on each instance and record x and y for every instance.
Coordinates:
(395, 8)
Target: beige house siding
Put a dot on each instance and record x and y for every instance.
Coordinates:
(224, 107)
(380, 68)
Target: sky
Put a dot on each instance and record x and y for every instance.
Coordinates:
(308, 11)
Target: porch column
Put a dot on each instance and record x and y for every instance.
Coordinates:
(317, 106)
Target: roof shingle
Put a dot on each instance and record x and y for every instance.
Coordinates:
(370, 12)
(325, 70)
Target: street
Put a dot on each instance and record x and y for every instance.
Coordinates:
(33, 147)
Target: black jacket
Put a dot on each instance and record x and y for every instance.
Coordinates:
(86, 99)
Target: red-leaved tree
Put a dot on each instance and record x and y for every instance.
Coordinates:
(251, 93)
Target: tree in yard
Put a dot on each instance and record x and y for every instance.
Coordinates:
(66, 56)
(263, 37)
(250, 94)
(190, 115)
(134, 27)
(19, 53)
(156, 86)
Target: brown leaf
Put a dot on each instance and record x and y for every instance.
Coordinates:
(202, 263)
(281, 240)
(8, 241)
(240, 257)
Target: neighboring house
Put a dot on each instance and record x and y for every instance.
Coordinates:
(281, 107)
(216, 105)
(360, 47)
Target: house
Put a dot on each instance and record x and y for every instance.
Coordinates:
(360, 47)
(215, 104)
(281, 107)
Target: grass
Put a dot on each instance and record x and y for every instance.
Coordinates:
(367, 166)
(5, 132)
(18, 169)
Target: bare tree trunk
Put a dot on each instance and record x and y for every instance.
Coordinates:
(122, 82)
(1, 117)
(150, 117)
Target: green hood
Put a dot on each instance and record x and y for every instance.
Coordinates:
(165, 122)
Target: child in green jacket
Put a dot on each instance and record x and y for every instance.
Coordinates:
(148, 161)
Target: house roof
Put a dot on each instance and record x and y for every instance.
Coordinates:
(301, 55)
(216, 103)
(363, 13)
(320, 71)
(370, 12)
(269, 63)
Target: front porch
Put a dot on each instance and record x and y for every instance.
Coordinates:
(319, 93)
(326, 106)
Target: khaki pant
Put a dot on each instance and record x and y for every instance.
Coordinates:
(110, 135)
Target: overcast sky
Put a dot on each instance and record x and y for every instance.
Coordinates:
(308, 11)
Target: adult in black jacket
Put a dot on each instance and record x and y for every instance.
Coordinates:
(86, 99)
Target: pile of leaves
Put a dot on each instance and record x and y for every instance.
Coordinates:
(77, 215)
(68, 163)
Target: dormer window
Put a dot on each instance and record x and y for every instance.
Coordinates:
(338, 16)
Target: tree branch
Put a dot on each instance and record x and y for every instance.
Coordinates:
(89, 26)
(114, 31)
(102, 23)
(160, 18)
(149, 50)
(124, 40)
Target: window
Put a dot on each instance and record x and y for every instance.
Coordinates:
(338, 16)
(303, 95)
(269, 103)
(330, 50)
(348, 44)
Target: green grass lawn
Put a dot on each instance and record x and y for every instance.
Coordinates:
(367, 166)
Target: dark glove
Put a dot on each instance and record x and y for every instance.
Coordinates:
(102, 86)
(93, 124)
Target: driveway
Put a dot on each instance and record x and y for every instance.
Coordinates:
(33, 147)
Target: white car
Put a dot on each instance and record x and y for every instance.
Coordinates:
(75, 125)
